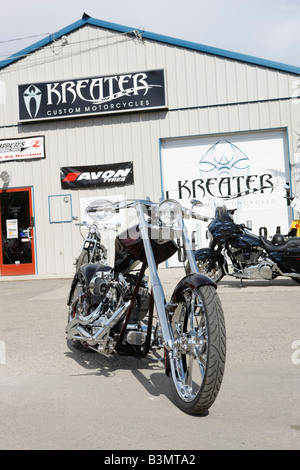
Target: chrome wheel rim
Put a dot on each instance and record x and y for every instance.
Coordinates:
(189, 354)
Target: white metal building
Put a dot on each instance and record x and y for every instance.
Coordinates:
(101, 110)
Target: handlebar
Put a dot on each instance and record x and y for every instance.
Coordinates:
(243, 227)
(98, 225)
(115, 207)
(201, 217)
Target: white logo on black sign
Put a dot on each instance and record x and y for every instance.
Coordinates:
(32, 99)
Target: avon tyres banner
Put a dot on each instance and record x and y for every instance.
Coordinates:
(97, 176)
(94, 95)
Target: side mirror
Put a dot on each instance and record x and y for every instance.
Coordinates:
(196, 202)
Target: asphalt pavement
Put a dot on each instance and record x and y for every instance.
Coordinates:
(54, 398)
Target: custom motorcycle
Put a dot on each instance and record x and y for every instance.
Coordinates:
(111, 308)
(235, 251)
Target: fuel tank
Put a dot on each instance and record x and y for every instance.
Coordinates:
(245, 240)
(129, 249)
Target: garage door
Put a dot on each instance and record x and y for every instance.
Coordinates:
(245, 171)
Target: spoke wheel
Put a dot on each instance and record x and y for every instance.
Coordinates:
(78, 307)
(212, 269)
(197, 360)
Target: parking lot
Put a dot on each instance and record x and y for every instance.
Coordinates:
(54, 398)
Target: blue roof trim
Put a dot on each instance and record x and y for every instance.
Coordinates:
(43, 42)
(154, 37)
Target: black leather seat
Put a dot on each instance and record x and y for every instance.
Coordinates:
(291, 243)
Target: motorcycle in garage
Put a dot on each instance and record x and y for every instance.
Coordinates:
(116, 310)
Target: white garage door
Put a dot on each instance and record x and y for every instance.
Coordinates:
(246, 171)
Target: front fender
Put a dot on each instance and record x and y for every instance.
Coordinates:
(207, 253)
(193, 281)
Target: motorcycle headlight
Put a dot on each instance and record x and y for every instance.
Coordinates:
(169, 212)
(93, 228)
(100, 210)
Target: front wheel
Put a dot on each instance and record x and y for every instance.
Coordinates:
(197, 361)
(212, 268)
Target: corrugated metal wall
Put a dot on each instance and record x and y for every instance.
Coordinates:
(206, 95)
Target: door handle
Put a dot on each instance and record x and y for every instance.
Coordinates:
(28, 232)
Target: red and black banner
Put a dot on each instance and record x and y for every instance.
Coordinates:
(97, 176)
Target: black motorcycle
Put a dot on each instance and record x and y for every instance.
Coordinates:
(237, 252)
(92, 250)
(111, 308)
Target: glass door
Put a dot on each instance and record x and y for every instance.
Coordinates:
(17, 228)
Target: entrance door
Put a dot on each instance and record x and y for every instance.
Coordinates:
(16, 227)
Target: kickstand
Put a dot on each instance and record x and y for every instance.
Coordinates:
(157, 357)
(241, 283)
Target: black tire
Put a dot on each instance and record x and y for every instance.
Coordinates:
(83, 258)
(78, 307)
(197, 362)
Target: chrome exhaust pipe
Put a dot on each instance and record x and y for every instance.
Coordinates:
(78, 332)
(77, 327)
(111, 322)
(287, 274)
(81, 320)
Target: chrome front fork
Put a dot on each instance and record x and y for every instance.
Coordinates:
(157, 288)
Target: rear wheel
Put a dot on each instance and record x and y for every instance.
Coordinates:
(196, 363)
(78, 306)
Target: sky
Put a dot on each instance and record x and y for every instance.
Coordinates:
(268, 29)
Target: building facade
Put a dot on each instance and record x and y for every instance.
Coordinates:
(100, 110)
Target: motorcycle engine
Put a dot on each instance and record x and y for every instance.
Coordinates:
(247, 256)
(265, 270)
(113, 292)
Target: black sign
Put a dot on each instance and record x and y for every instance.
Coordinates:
(95, 95)
(97, 176)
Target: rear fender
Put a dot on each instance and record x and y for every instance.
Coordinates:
(87, 271)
